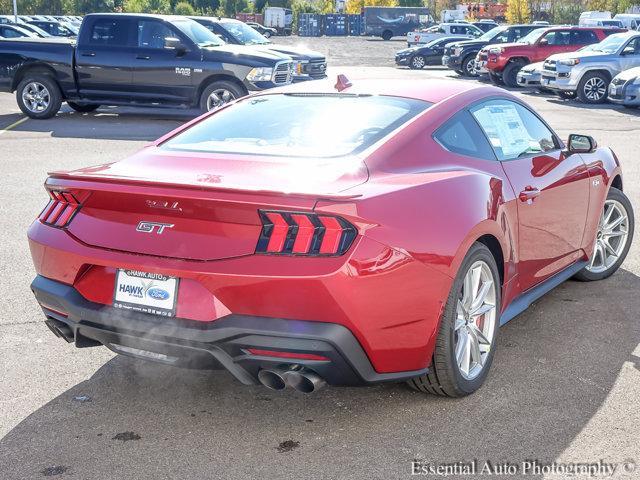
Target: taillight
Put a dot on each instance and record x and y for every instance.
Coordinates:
(293, 233)
(60, 209)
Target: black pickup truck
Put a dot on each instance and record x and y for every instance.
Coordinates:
(136, 60)
(307, 64)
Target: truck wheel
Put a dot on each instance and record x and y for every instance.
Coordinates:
(83, 107)
(593, 88)
(218, 94)
(469, 66)
(466, 339)
(510, 74)
(386, 35)
(417, 62)
(39, 96)
(495, 78)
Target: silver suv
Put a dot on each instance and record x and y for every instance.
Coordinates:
(588, 72)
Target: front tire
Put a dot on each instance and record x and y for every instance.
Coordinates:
(83, 107)
(510, 74)
(39, 96)
(417, 62)
(593, 88)
(468, 329)
(613, 238)
(218, 94)
(469, 67)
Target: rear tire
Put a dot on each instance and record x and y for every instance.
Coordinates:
(39, 96)
(218, 94)
(609, 240)
(387, 35)
(510, 74)
(593, 88)
(446, 377)
(83, 107)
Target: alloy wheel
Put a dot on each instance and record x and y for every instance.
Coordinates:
(219, 98)
(611, 237)
(595, 89)
(418, 61)
(475, 320)
(36, 97)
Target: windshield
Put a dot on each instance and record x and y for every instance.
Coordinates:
(197, 33)
(491, 33)
(299, 125)
(35, 29)
(244, 33)
(611, 44)
(533, 36)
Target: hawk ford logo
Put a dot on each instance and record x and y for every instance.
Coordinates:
(150, 227)
(157, 293)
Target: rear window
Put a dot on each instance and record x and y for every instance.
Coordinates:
(299, 125)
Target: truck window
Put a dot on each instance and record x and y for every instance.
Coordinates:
(151, 34)
(558, 38)
(107, 31)
(583, 37)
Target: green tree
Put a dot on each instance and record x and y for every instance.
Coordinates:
(410, 3)
(518, 11)
(90, 6)
(135, 6)
(184, 8)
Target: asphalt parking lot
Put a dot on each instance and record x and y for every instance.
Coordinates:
(565, 383)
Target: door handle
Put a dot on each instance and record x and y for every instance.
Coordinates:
(88, 54)
(528, 194)
(143, 57)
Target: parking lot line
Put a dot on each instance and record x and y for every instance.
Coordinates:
(13, 125)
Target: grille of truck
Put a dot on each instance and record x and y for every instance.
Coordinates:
(283, 73)
(550, 65)
(317, 68)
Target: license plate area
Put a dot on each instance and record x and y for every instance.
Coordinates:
(145, 292)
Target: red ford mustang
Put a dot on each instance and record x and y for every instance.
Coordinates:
(347, 234)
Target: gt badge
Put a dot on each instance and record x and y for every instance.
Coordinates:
(150, 227)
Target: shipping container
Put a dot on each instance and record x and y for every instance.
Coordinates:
(335, 25)
(250, 17)
(309, 25)
(356, 25)
(279, 18)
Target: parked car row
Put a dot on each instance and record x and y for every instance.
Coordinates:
(38, 26)
(587, 63)
(149, 60)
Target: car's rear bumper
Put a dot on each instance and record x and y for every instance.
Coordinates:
(225, 343)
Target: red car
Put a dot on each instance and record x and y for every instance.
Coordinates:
(347, 234)
(504, 61)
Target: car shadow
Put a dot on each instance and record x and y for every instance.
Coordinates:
(106, 123)
(555, 367)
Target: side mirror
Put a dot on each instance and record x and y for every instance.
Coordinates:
(172, 43)
(581, 144)
(543, 42)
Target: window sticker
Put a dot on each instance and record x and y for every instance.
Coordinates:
(505, 129)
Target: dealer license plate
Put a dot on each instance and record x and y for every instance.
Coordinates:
(146, 292)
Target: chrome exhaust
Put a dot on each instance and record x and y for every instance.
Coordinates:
(274, 378)
(304, 380)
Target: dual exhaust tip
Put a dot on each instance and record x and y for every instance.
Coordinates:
(294, 376)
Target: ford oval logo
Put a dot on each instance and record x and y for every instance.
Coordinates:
(158, 293)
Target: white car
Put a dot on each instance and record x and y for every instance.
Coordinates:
(443, 30)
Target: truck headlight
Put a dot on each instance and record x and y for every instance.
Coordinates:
(260, 74)
(298, 68)
(496, 50)
(570, 62)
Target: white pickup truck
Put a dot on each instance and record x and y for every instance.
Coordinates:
(442, 30)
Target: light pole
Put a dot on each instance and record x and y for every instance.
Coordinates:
(15, 10)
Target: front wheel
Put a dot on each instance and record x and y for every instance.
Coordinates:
(417, 62)
(468, 329)
(510, 74)
(469, 66)
(218, 94)
(613, 238)
(387, 35)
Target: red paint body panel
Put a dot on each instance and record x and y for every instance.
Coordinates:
(416, 206)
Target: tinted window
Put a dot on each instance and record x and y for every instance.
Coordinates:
(108, 32)
(583, 37)
(151, 34)
(462, 135)
(558, 38)
(305, 125)
(513, 130)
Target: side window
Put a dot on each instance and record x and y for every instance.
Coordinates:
(504, 37)
(513, 130)
(583, 37)
(108, 31)
(462, 135)
(8, 33)
(558, 38)
(633, 47)
(151, 34)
